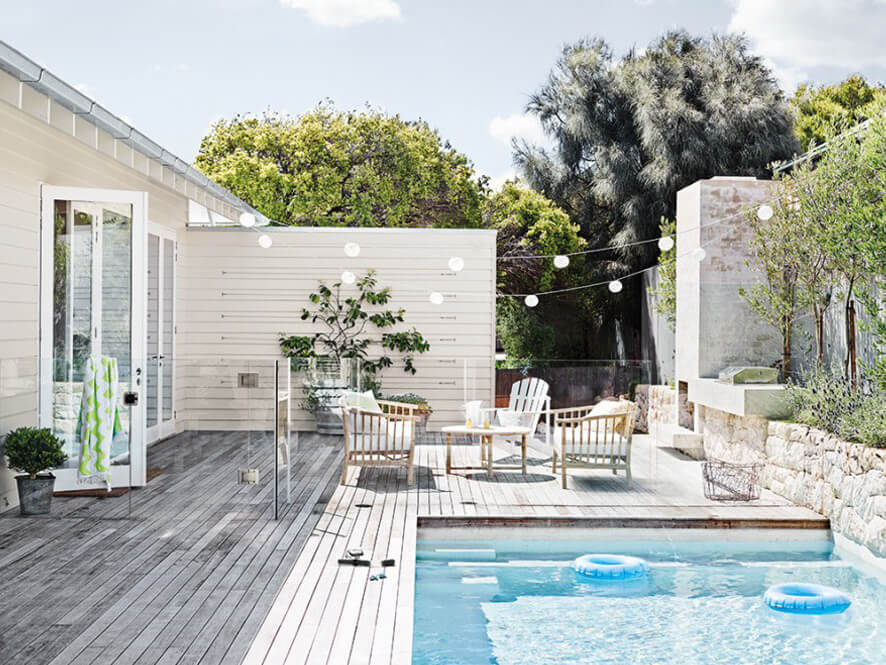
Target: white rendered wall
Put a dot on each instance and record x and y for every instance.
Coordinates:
(235, 298)
(715, 327)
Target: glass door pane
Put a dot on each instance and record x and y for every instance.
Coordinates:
(72, 315)
(115, 334)
(152, 373)
(167, 347)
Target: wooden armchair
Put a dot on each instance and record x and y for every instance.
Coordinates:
(385, 438)
(594, 437)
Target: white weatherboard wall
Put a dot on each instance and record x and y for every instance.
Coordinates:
(42, 142)
(235, 298)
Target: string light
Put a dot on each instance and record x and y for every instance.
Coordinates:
(352, 250)
(348, 277)
(436, 298)
(247, 220)
(561, 261)
(265, 241)
(615, 286)
(531, 300)
(456, 264)
(764, 213)
(666, 243)
(699, 254)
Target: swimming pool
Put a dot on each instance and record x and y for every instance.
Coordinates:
(513, 602)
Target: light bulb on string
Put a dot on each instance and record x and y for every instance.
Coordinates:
(352, 250)
(615, 286)
(436, 298)
(531, 300)
(247, 219)
(699, 254)
(561, 261)
(456, 264)
(764, 212)
(348, 277)
(265, 241)
(666, 243)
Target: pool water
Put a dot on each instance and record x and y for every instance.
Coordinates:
(520, 603)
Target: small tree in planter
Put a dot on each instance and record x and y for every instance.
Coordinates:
(346, 321)
(32, 451)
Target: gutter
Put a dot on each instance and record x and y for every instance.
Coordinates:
(41, 79)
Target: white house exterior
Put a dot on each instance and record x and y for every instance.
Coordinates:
(110, 244)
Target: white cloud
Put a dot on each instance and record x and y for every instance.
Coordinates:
(516, 125)
(789, 78)
(344, 13)
(809, 33)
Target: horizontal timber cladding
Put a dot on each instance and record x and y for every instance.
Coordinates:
(235, 298)
(42, 143)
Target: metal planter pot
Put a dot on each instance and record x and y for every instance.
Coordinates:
(35, 494)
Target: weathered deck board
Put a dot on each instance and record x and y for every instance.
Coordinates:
(188, 578)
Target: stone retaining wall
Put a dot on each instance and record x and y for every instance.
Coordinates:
(845, 482)
(655, 406)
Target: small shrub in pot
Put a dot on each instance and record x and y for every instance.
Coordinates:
(32, 451)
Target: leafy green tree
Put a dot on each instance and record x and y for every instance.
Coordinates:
(629, 132)
(334, 168)
(530, 224)
(819, 109)
(353, 324)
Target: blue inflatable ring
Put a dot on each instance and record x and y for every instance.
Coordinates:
(609, 566)
(799, 598)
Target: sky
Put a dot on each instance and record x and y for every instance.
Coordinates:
(467, 67)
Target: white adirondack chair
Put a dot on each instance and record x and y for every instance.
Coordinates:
(528, 402)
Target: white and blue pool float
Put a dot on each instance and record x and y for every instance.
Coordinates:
(610, 567)
(800, 598)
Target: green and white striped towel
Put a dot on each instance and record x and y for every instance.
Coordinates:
(99, 420)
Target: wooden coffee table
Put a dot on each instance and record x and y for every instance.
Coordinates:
(486, 434)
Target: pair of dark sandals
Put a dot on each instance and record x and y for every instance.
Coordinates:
(355, 558)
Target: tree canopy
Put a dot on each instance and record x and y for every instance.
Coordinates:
(335, 168)
(629, 132)
(529, 224)
(820, 109)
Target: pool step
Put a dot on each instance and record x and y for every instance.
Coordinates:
(486, 581)
(460, 553)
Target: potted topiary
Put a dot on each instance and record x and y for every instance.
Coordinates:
(32, 450)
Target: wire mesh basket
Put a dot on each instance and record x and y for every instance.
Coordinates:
(731, 481)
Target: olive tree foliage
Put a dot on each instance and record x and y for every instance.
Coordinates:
(826, 242)
(629, 132)
(818, 109)
(343, 168)
(530, 225)
(664, 293)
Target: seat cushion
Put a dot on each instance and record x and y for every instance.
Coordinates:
(510, 418)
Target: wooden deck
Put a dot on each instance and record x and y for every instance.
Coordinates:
(187, 577)
(199, 572)
(336, 615)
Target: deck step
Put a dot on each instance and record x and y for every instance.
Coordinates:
(683, 439)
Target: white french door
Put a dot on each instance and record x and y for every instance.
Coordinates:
(160, 334)
(92, 292)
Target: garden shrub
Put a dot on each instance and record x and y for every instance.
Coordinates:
(830, 402)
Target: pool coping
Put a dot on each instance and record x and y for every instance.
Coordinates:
(515, 521)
